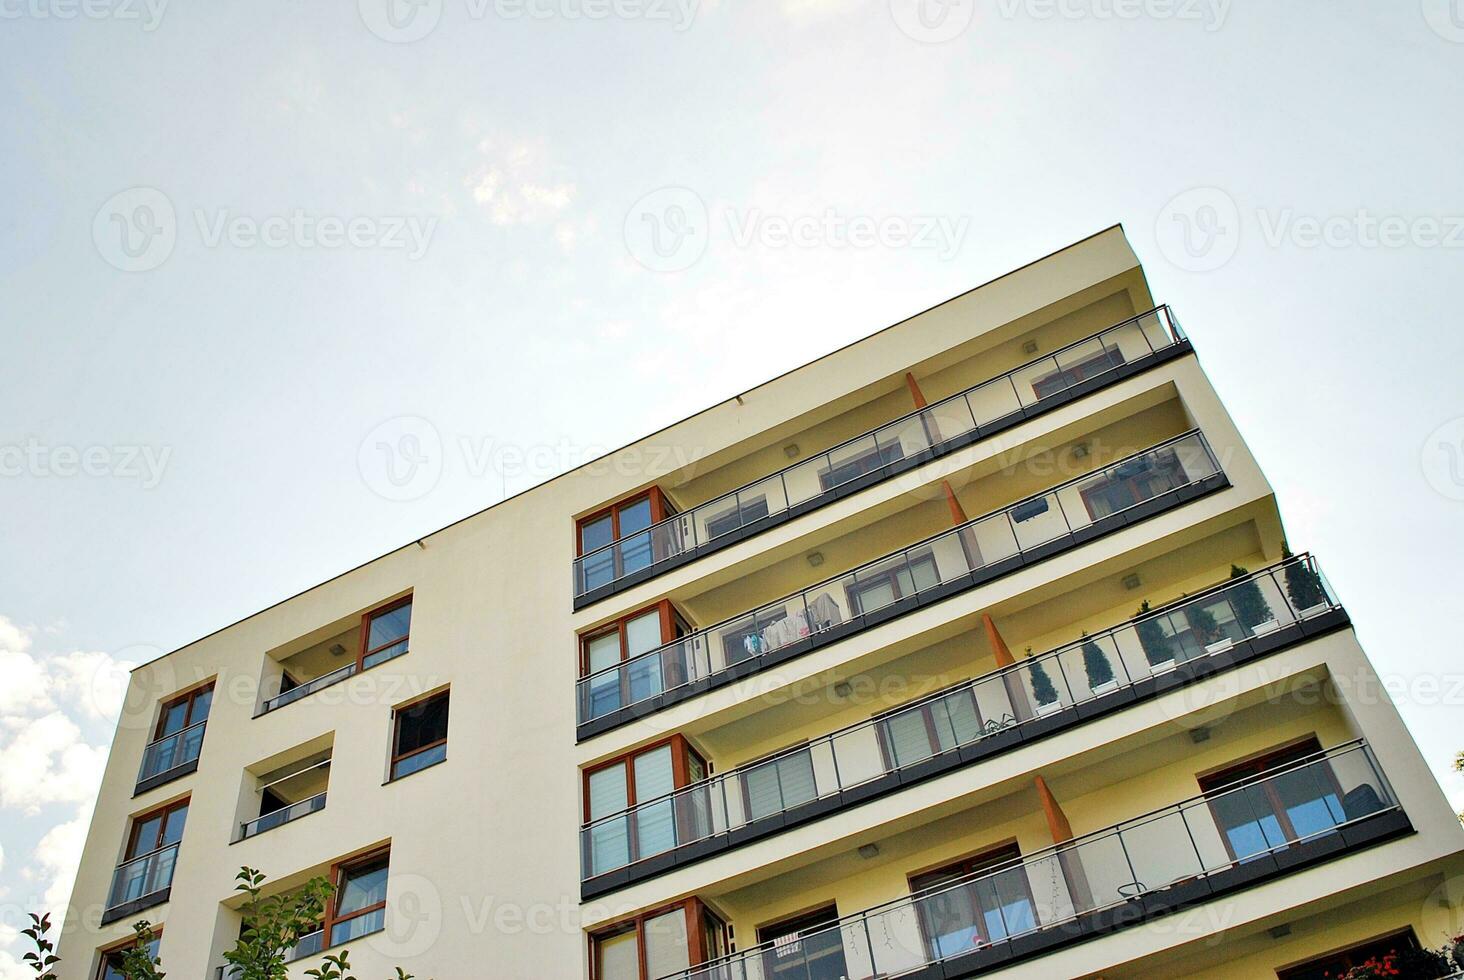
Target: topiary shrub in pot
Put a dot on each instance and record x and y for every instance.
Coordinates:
(1098, 666)
(1251, 607)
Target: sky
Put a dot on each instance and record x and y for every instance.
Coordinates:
(244, 242)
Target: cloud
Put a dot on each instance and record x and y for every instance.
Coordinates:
(58, 855)
(512, 182)
(44, 761)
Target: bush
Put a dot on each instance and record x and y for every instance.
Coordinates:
(1158, 647)
(1096, 663)
(1251, 608)
(1303, 585)
(1042, 688)
(1203, 621)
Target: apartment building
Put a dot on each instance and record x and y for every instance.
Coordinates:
(971, 649)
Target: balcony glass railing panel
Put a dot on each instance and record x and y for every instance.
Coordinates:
(972, 546)
(143, 876)
(1252, 605)
(948, 419)
(1049, 888)
(172, 752)
(282, 816)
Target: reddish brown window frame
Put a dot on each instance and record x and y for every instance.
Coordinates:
(1215, 781)
(926, 708)
(131, 853)
(361, 651)
(669, 618)
(191, 697)
(994, 858)
(1344, 959)
(338, 873)
(660, 510)
(696, 912)
(681, 750)
(106, 952)
(396, 730)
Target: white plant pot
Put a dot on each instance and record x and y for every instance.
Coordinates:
(1047, 709)
(1162, 666)
(1106, 687)
(1310, 611)
(1269, 626)
(1220, 647)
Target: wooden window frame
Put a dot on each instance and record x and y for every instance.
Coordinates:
(338, 872)
(693, 908)
(142, 818)
(660, 510)
(1170, 464)
(775, 758)
(681, 752)
(669, 617)
(927, 715)
(191, 697)
(1111, 357)
(386, 607)
(396, 731)
(858, 587)
(881, 455)
(1216, 781)
(770, 956)
(106, 952)
(997, 857)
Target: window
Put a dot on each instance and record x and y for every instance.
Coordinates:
(626, 639)
(658, 943)
(111, 968)
(741, 513)
(147, 863)
(184, 712)
(1132, 482)
(358, 907)
(1283, 809)
(419, 735)
(807, 947)
(985, 910)
(157, 829)
(627, 522)
(1051, 384)
(867, 458)
(384, 632)
(643, 781)
(915, 732)
(1337, 964)
(878, 588)
(782, 781)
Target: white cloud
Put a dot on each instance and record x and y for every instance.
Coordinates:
(44, 761)
(58, 855)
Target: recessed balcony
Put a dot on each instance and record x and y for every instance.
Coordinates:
(1107, 499)
(1244, 832)
(1234, 622)
(975, 413)
(288, 794)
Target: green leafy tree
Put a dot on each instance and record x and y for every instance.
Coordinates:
(273, 925)
(1303, 585)
(1096, 663)
(138, 962)
(1251, 608)
(1042, 688)
(43, 957)
(1204, 624)
(1158, 648)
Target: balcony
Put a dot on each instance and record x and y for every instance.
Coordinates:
(288, 794)
(1159, 863)
(141, 883)
(170, 757)
(1234, 622)
(976, 413)
(1123, 493)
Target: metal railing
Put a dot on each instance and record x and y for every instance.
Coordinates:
(323, 681)
(950, 418)
(142, 876)
(1046, 889)
(172, 751)
(282, 816)
(1195, 627)
(307, 945)
(996, 537)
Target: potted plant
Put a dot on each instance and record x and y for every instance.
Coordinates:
(1158, 647)
(1042, 690)
(1251, 607)
(1207, 631)
(1099, 668)
(1303, 586)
